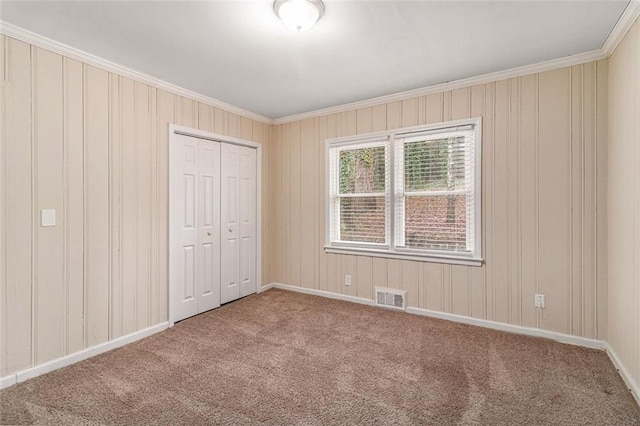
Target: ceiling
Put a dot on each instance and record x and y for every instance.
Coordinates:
(238, 51)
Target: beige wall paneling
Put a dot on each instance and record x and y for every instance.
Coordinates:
(602, 144)
(535, 157)
(246, 128)
(115, 188)
(308, 203)
(205, 117)
(154, 315)
(48, 280)
(220, 121)
(261, 133)
(295, 205)
(528, 182)
(143, 200)
(166, 115)
(233, 125)
(500, 203)
(624, 204)
(96, 171)
(477, 283)
(323, 128)
(18, 152)
(3, 178)
(588, 304)
(285, 205)
(74, 205)
(555, 192)
(515, 221)
(188, 112)
(128, 205)
(576, 290)
(276, 225)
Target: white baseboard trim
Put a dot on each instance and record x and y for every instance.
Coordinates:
(527, 331)
(265, 287)
(327, 294)
(65, 361)
(626, 375)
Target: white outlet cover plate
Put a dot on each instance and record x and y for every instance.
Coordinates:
(48, 218)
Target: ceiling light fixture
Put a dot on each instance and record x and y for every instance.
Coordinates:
(299, 15)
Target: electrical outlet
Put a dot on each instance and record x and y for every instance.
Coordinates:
(347, 280)
(539, 301)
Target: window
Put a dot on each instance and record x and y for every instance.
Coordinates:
(409, 193)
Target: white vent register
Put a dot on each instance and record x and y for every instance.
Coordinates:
(391, 298)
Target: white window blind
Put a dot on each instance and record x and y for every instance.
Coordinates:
(435, 191)
(411, 192)
(359, 193)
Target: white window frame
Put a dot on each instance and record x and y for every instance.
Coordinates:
(394, 141)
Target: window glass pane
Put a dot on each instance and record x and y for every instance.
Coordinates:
(435, 165)
(436, 222)
(362, 219)
(362, 170)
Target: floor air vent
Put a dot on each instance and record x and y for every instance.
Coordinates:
(391, 298)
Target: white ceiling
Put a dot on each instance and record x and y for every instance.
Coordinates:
(239, 52)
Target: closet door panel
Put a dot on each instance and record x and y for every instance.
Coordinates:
(247, 221)
(209, 224)
(185, 275)
(230, 229)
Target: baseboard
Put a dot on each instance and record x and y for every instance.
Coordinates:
(626, 375)
(527, 331)
(327, 294)
(65, 361)
(265, 287)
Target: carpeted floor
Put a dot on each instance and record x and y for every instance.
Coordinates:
(287, 358)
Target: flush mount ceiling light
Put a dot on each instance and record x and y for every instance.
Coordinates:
(299, 15)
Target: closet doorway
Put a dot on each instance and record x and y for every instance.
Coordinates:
(214, 220)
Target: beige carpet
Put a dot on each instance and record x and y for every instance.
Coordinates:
(286, 358)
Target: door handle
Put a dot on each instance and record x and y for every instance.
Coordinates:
(230, 230)
(209, 233)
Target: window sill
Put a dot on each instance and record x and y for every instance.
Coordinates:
(359, 251)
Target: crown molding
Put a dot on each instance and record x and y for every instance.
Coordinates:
(629, 16)
(87, 58)
(627, 19)
(580, 58)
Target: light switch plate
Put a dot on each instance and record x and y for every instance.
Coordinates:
(48, 218)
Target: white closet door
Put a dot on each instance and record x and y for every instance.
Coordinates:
(185, 274)
(194, 226)
(209, 225)
(229, 224)
(248, 214)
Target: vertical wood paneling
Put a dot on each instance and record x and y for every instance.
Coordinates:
(323, 124)
(3, 238)
(529, 198)
(576, 293)
(74, 205)
(48, 280)
(18, 196)
(308, 203)
(554, 178)
(128, 209)
(500, 234)
(478, 284)
(537, 171)
(285, 200)
(93, 146)
(295, 229)
(602, 259)
(165, 116)
(96, 197)
(276, 204)
(115, 186)
(143, 200)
